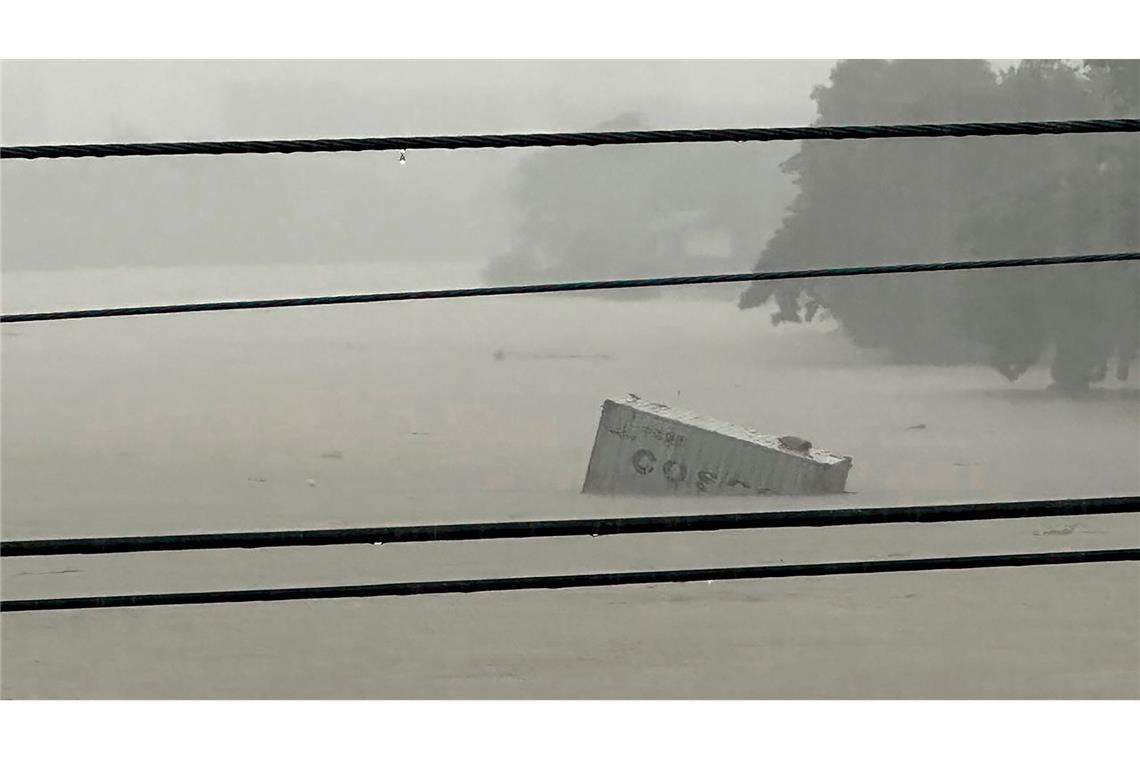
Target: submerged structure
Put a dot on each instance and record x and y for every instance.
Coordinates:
(655, 450)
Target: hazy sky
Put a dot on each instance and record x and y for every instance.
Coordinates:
(272, 209)
(49, 101)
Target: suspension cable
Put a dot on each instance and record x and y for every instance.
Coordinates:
(601, 526)
(555, 139)
(586, 580)
(570, 287)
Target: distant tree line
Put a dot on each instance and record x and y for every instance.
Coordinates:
(642, 210)
(626, 211)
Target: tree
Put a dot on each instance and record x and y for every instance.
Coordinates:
(934, 199)
(878, 202)
(1085, 200)
(641, 210)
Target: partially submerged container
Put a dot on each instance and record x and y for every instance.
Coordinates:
(652, 449)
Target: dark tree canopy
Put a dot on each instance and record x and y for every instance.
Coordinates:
(928, 200)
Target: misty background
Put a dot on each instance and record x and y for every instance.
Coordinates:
(458, 206)
(512, 216)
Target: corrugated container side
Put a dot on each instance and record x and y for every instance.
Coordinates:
(641, 452)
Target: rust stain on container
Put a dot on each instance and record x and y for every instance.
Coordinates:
(652, 449)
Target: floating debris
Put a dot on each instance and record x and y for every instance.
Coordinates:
(499, 355)
(50, 572)
(647, 448)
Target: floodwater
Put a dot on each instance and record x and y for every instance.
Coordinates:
(485, 409)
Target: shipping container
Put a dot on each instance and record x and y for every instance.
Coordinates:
(652, 449)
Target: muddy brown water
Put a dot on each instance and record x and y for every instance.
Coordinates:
(486, 409)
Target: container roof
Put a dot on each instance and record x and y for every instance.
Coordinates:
(728, 429)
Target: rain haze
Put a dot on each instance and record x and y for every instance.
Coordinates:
(942, 388)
